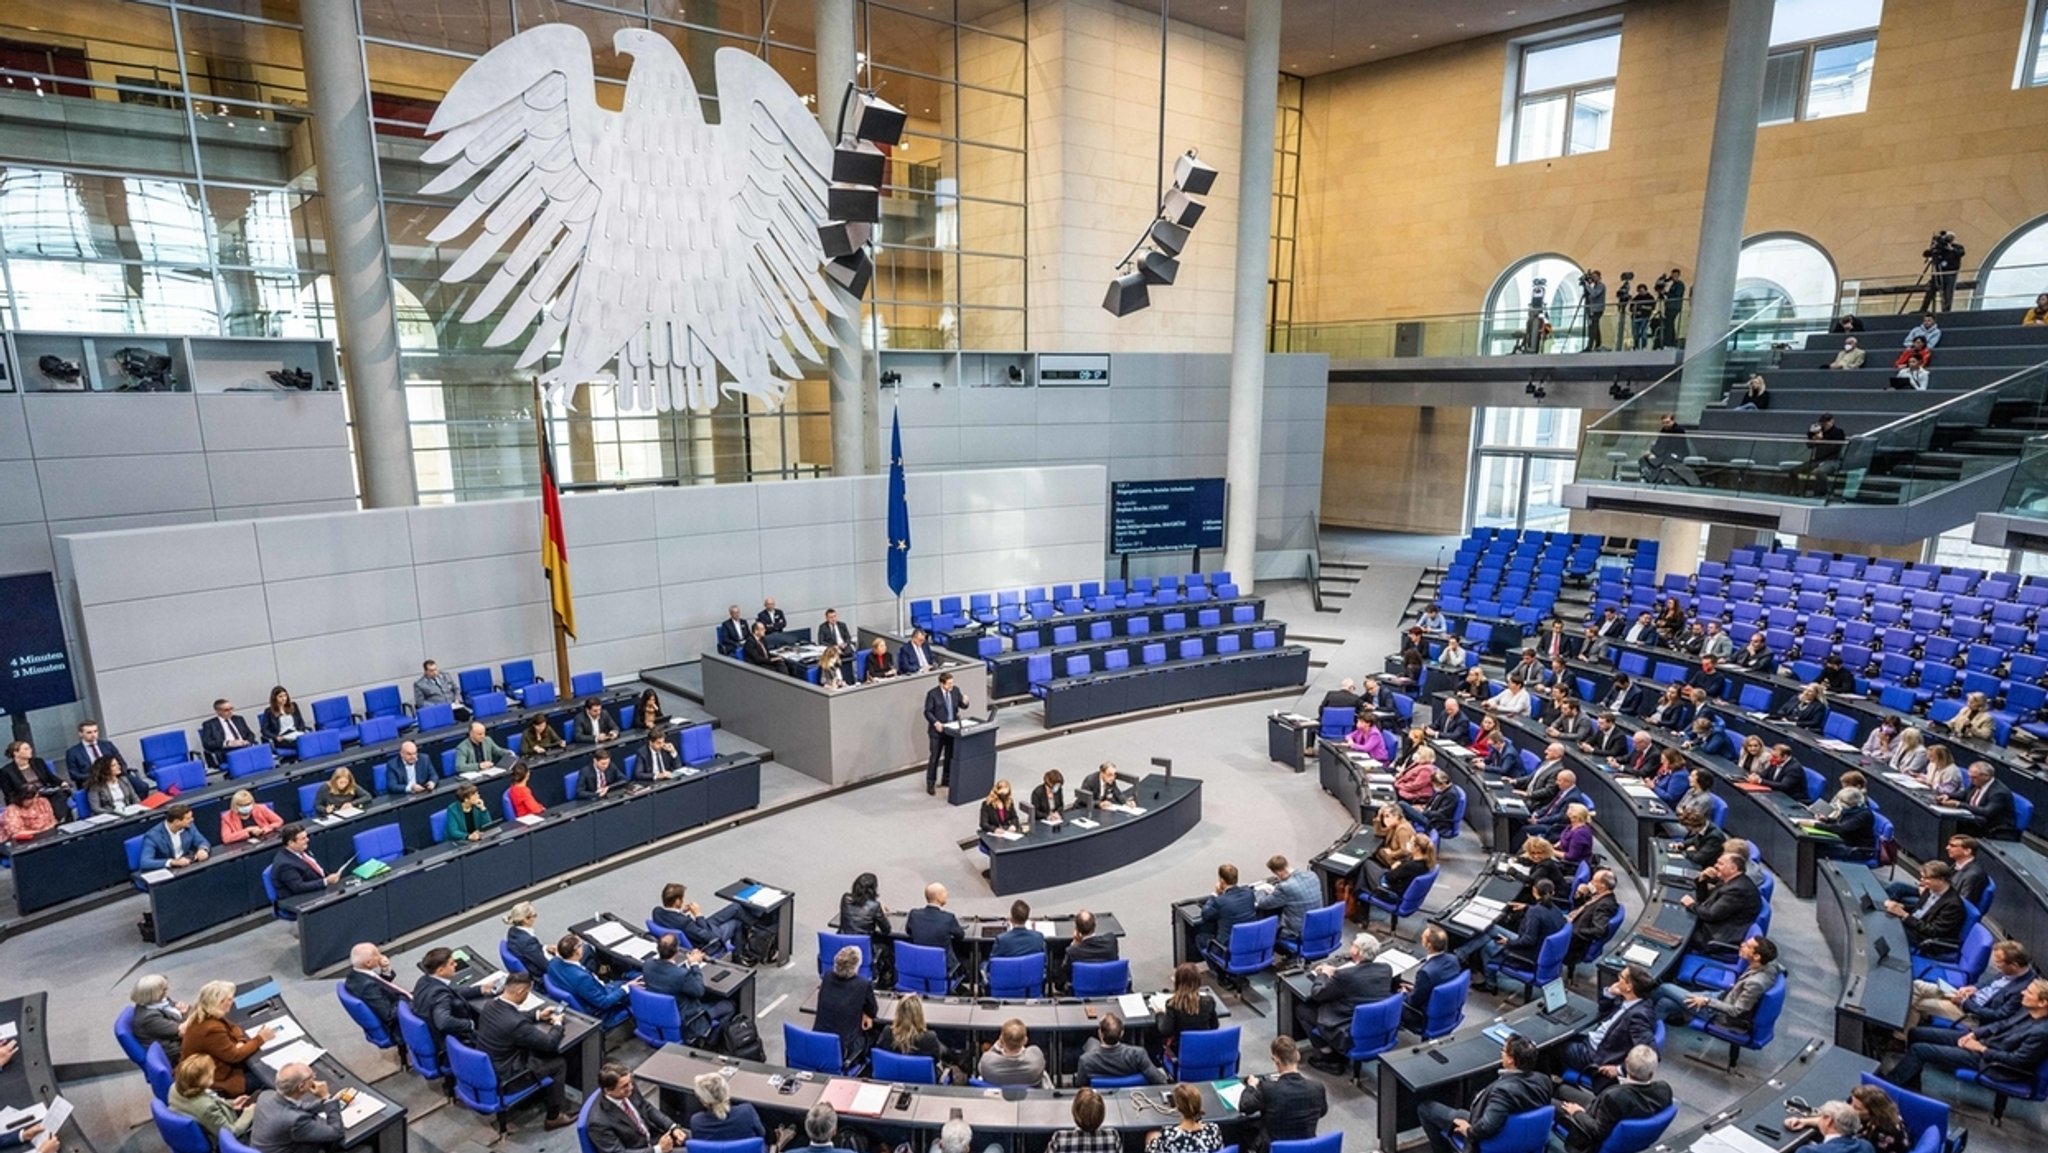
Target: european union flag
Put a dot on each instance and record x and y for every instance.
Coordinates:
(899, 510)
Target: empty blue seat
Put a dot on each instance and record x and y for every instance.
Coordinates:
(382, 843)
(1228, 643)
(250, 760)
(1265, 639)
(1153, 654)
(309, 747)
(1190, 648)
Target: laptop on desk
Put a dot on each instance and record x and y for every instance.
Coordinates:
(1556, 1009)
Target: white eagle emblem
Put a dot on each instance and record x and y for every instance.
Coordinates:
(663, 248)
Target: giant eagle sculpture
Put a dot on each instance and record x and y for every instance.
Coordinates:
(653, 247)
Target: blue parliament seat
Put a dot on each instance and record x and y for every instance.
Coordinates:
(251, 759)
(336, 715)
(1204, 1055)
(476, 1084)
(1100, 979)
(1017, 977)
(373, 1029)
(386, 703)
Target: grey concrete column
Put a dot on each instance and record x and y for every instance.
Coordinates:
(1745, 50)
(836, 70)
(339, 92)
(1261, 106)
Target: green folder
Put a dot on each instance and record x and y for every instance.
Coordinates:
(370, 868)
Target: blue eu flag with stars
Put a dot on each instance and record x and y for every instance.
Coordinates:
(899, 510)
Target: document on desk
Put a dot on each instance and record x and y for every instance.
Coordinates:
(533, 818)
(360, 1110)
(1642, 791)
(1640, 955)
(59, 1112)
(156, 876)
(13, 1118)
(299, 1052)
(1731, 1139)
(534, 1002)
(1397, 960)
(609, 933)
(74, 826)
(1133, 1005)
(1085, 823)
(765, 897)
(288, 1030)
(1834, 745)
(1045, 929)
(1344, 861)
(1006, 834)
(1906, 782)
(638, 948)
(1230, 1092)
(9, 1030)
(256, 996)
(1476, 917)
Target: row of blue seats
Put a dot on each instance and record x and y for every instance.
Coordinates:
(1913, 574)
(1087, 596)
(1015, 613)
(1105, 630)
(337, 716)
(1039, 668)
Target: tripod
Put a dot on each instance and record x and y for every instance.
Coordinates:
(1924, 281)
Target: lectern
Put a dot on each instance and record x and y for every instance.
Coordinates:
(974, 761)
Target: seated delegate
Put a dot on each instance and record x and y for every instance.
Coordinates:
(467, 816)
(246, 820)
(293, 870)
(282, 723)
(409, 773)
(340, 792)
(479, 753)
(174, 843)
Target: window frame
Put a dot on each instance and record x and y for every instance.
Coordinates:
(2032, 71)
(1809, 50)
(1518, 98)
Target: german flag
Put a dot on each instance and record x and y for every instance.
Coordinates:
(554, 547)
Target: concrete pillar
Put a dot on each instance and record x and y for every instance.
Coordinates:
(1260, 104)
(836, 71)
(339, 92)
(1740, 102)
(1678, 546)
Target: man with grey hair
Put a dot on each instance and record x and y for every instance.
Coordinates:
(1588, 1119)
(1336, 990)
(157, 1018)
(297, 1116)
(1839, 1126)
(821, 1126)
(1344, 696)
(370, 981)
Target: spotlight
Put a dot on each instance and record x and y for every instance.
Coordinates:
(1192, 176)
(857, 162)
(845, 237)
(877, 120)
(1127, 294)
(1170, 237)
(891, 376)
(1016, 374)
(1158, 268)
(1181, 209)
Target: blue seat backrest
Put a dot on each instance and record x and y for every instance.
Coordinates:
(474, 681)
(377, 730)
(383, 842)
(516, 675)
(439, 716)
(1154, 653)
(251, 759)
(588, 684)
(1190, 648)
(697, 745)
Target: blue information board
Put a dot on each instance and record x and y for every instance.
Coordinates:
(1165, 515)
(38, 671)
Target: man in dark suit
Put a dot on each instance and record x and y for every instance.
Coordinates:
(1588, 1119)
(370, 981)
(80, 758)
(658, 760)
(598, 777)
(1710, 678)
(943, 705)
(673, 972)
(410, 773)
(932, 926)
(916, 656)
(175, 843)
(1623, 696)
(1105, 1055)
(1517, 1089)
(1344, 696)
(1087, 947)
(294, 871)
(756, 651)
(771, 618)
(1441, 813)
(1970, 879)
(1608, 738)
(448, 1010)
(1723, 916)
(1336, 990)
(523, 1048)
(1557, 644)
(715, 933)
(1540, 918)
(1594, 905)
(2013, 1048)
(1612, 624)
(1100, 788)
(1938, 922)
(733, 631)
(834, 632)
(1289, 1105)
(1550, 819)
(595, 723)
(1020, 939)
(1438, 968)
(297, 1116)
(1631, 1021)
(1990, 805)
(223, 733)
(1231, 905)
(1998, 997)
(625, 1121)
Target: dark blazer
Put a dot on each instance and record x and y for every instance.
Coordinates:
(213, 736)
(1786, 777)
(271, 727)
(514, 1041)
(1441, 813)
(740, 1122)
(1018, 941)
(1589, 925)
(161, 1025)
(1092, 949)
(587, 779)
(833, 633)
(732, 633)
(864, 918)
(755, 652)
(2014, 1047)
(1437, 970)
(1587, 1129)
(1099, 1060)
(283, 1126)
(933, 926)
(653, 760)
(775, 620)
(379, 996)
(994, 816)
(673, 979)
(78, 762)
(612, 1128)
(1229, 908)
(1637, 1025)
(1717, 744)
(1288, 1104)
(1725, 914)
(394, 775)
(1340, 699)
(589, 733)
(914, 658)
(1996, 816)
(1629, 704)
(1395, 881)
(1970, 881)
(1513, 1091)
(1046, 799)
(1704, 847)
(841, 1002)
(448, 1010)
(697, 931)
(1715, 683)
(1612, 743)
(527, 948)
(1349, 987)
(1938, 922)
(14, 784)
(291, 875)
(1091, 792)
(1538, 922)
(1808, 715)
(935, 706)
(1857, 827)
(591, 993)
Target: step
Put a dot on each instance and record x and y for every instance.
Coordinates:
(1345, 565)
(1997, 448)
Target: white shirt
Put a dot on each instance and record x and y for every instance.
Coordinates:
(1511, 700)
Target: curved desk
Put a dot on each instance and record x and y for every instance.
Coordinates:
(1051, 855)
(382, 1131)
(1819, 1072)
(31, 1079)
(674, 1069)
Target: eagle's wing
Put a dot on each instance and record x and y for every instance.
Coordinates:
(526, 115)
(778, 162)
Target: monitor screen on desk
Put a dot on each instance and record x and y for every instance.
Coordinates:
(1553, 994)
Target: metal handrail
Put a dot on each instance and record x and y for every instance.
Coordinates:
(1717, 343)
(1954, 400)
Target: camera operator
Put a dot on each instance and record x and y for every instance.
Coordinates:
(1621, 311)
(1671, 294)
(1593, 293)
(1944, 259)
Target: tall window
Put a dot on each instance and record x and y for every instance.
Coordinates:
(1821, 56)
(1511, 307)
(2017, 269)
(1565, 96)
(1785, 286)
(2034, 52)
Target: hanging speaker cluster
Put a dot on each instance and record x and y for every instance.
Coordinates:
(854, 200)
(1155, 258)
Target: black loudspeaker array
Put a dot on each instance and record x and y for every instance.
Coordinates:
(1155, 259)
(854, 201)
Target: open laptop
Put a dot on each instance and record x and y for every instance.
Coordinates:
(1555, 1007)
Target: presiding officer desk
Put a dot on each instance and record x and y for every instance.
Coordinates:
(1054, 854)
(258, 1003)
(439, 881)
(77, 859)
(229, 883)
(1010, 672)
(983, 929)
(1020, 1120)
(31, 1078)
(1108, 693)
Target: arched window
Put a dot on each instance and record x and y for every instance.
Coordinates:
(1787, 283)
(2016, 271)
(1509, 305)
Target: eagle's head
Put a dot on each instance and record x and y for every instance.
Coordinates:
(659, 78)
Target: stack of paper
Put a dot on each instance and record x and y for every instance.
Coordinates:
(1085, 823)
(348, 812)
(1479, 914)
(1044, 929)
(1344, 861)
(638, 948)
(1837, 746)
(1640, 955)
(1397, 960)
(765, 897)
(1230, 1092)
(1731, 1139)
(288, 1030)
(359, 1110)
(1132, 1005)
(533, 818)
(13, 1118)
(299, 1052)
(609, 933)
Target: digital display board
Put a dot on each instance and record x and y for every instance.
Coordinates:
(1165, 515)
(32, 635)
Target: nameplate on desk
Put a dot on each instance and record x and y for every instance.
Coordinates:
(1344, 861)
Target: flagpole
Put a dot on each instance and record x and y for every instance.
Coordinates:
(540, 428)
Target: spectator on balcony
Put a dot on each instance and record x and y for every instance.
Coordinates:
(1847, 322)
(1929, 330)
(1756, 396)
(1912, 368)
(1851, 357)
(2039, 313)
